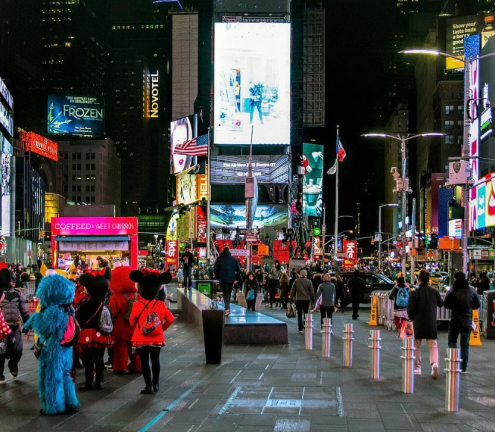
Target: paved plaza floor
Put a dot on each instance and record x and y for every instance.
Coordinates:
(282, 388)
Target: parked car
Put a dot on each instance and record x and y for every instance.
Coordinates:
(373, 282)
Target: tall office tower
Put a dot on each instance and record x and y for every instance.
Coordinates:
(72, 33)
(20, 59)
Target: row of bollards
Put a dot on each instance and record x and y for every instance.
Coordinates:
(453, 360)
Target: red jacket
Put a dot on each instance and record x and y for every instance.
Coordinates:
(121, 287)
(150, 314)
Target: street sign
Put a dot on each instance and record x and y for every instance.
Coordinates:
(239, 252)
(341, 255)
(251, 237)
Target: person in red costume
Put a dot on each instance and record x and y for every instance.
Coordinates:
(124, 295)
(150, 318)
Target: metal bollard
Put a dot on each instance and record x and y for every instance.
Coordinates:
(453, 376)
(308, 331)
(408, 358)
(374, 347)
(347, 338)
(325, 338)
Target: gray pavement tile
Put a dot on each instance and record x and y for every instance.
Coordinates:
(225, 423)
(364, 425)
(292, 424)
(361, 413)
(247, 428)
(259, 420)
(482, 425)
(440, 417)
(438, 427)
(328, 420)
(399, 421)
(79, 422)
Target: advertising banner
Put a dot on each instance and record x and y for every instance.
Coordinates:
(252, 83)
(6, 120)
(313, 179)
(455, 228)
(234, 215)
(6, 189)
(172, 254)
(6, 95)
(201, 223)
(80, 116)
(40, 145)
(266, 169)
(94, 226)
(181, 131)
(350, 249)
(191, 187)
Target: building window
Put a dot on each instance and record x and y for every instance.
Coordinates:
(93, 199)
(449, 139)
(449, 124)
(73, 188)
(93, 166)
(74, 167)
(459, 139)
(88, 199)
(449, 109)
(92, 188)
(459, 123)
(87, 188)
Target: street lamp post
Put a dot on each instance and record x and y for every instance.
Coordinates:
(403, 186)
(465, 140)
(380, 232)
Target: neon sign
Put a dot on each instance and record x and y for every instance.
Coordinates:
(40, 145)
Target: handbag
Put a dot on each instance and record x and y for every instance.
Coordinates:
(407, 330)
(290, 311)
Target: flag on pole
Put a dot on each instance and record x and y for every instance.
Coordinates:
(333, 169)
(340, 150)
(196, 147)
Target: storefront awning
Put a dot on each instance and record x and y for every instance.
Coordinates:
(93, 238)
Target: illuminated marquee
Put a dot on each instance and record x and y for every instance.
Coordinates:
(6, 120)
(6, 94)
(40, 145)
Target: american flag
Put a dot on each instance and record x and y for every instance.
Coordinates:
(196, 147)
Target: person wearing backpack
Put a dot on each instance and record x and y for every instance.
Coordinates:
(124, 295)
(57, 332)
(96, 325)
(150, 318)
(14, 309)
(400, 296)
(252, 289)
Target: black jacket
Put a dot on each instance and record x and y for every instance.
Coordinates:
(422, 310)
(252, 285)
(227, 268)
(87, 315)
(273, 285)
(187, 259)
(461, 301)
(356, 286)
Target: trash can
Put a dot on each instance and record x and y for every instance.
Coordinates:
(213, 322)
(489, 315)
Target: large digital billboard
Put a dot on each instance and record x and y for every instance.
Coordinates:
(252, 83)
(191, 188)
(80, 116)
(234, 169)
(234, 215)
(182, 130)
(458, 28)
(313, 179)
(7, 151)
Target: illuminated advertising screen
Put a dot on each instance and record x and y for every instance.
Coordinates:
(455, 228)
(79, 116)
(487, 88)
(6, 178)
(252, 83)
(6, 95)
(191, 188)
(460, 27)
(234, 215)
(6, 120)
(181, 131)
(313, 179)
(234, 169)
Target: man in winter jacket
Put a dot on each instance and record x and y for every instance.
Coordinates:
(14, 308)
(422, 310)
(227, 269)
(461, 301)
(356, 286)
(302, 291)
(187, 259)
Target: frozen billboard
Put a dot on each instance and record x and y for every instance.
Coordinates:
(80, 116)
(252, 83)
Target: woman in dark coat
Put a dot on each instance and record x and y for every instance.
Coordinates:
(422, 310)
(484, 284)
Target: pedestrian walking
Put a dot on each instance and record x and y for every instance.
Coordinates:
(187, 260)
(252, 289)
(226, 270)
(356, 287)
(400, 295)
(302, 293)
(422, 310)
(461, 300)
(327, 292)
(272, 287)
(284, 290)
(15, 312)
(150, 318)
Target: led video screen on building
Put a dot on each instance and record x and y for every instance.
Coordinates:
(313, 179)
(79, 116)
(252, 83)
(181, 131)
(234, 215)
(234, 169)
(7, 151)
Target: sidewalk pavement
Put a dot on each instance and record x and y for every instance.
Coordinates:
(281, 388)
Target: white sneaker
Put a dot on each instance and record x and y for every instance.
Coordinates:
(417, 371)
(434, 370)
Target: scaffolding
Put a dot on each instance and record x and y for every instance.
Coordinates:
(314, 67)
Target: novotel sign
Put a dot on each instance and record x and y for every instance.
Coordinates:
(154, 95)
(94, 226)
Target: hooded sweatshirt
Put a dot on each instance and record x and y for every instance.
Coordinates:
(461, 301)
(227, 267)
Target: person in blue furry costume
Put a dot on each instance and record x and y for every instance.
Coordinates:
(55, 387)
